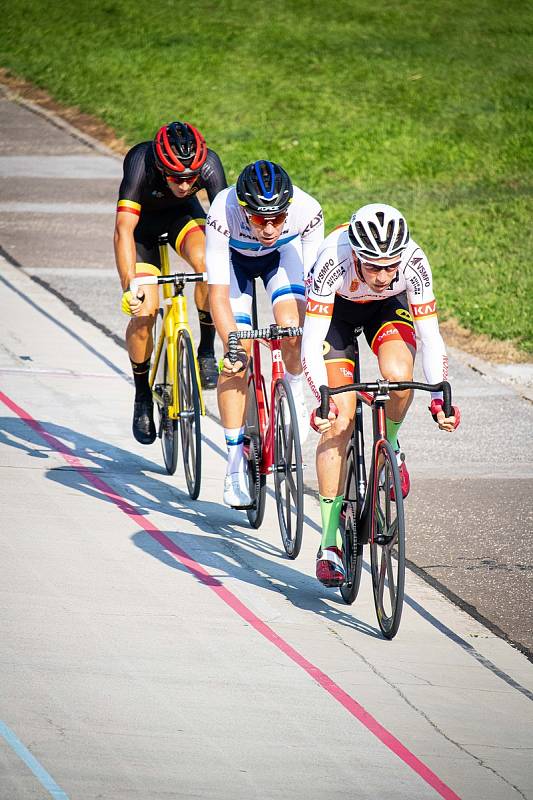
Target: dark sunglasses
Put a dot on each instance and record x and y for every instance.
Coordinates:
(375, 268)
(183, 179)
(262, 222)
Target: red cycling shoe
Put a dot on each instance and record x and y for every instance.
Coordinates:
(329, 567)
(405, 480)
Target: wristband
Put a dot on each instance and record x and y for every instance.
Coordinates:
(436, 406)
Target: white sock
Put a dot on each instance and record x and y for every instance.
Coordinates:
(296, 382)
(235, 445)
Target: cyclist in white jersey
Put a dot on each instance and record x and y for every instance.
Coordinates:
(368, 274)
(261, 227)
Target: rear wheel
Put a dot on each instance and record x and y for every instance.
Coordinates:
(288, 472)
(189, 414)
(256, 481)
(387, 546)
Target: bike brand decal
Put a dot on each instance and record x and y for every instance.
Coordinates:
(404, 314)
(317, 309)
(416, 283)
(309, 379)
(425, 309)
(334, 277)
(328, 275)
(417, 264)
(314, 222)
(213, 223)
(390, 332)
(276, 355)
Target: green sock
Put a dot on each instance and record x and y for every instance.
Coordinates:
(330, 509)
(392, 433)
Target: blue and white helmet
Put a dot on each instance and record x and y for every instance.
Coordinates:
(378, 231)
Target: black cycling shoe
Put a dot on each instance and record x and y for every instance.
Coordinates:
(208, 371)
(143, 421)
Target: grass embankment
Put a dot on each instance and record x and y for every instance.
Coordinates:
(424, 106)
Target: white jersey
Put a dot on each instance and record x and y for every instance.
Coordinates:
(334, 274)
(227, 227)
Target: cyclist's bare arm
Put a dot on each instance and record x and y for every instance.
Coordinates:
(224, 321)
(125, 255)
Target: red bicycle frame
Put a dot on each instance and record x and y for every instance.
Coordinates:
(266, 427)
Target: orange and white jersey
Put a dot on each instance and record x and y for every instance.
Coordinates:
(334, 273)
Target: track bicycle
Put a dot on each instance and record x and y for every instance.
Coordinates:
(271, 435)
(175, 377)
(373, 510)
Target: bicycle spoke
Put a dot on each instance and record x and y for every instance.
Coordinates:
(390, 581)
(288, 476)
(388, 533)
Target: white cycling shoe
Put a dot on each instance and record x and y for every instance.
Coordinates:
(236, 492)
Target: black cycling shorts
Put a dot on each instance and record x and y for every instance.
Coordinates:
(177, 222)
(381, 321)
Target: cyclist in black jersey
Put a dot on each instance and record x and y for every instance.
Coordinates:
(158, 195)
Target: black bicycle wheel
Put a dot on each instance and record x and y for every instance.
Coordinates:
(256, 481)
(387, 550)
(168, 427)
(288, 472)
(352, 547)
(189, 414)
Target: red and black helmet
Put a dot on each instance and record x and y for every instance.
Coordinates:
(179, 149)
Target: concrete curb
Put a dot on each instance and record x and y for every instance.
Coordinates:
(58, 122)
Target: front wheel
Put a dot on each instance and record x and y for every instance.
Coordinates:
(352, 546)
(189, 414)
(256, 480)
(168, 427)
(288, 472)
(387, 545)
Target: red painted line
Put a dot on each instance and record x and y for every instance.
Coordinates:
(342, 697)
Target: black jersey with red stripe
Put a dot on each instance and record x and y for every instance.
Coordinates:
(146, 188)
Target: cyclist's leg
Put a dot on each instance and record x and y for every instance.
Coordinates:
(231, 395)
(187, 235)
(284, 285)
(331, 451)
(139, 343)
(392, 338)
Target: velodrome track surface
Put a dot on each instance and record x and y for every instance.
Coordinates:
(155, 647)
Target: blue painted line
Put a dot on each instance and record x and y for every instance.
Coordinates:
(31, 762)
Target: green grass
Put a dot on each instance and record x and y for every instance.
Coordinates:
(422, 105)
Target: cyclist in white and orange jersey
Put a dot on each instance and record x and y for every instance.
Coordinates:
(158, 195)
(369, 274)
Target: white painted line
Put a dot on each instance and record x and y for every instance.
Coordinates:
(57, 208)
(76, 167)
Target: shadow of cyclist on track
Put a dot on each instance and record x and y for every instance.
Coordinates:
(222, 540)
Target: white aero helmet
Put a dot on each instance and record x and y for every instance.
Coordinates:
(378, 231)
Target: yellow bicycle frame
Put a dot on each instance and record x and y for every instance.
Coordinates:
(175, 319)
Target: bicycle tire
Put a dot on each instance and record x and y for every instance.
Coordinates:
(256, 481)
(388, 544)
(189, 414)
(288, 471)
(167, 426)
(352, 547)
